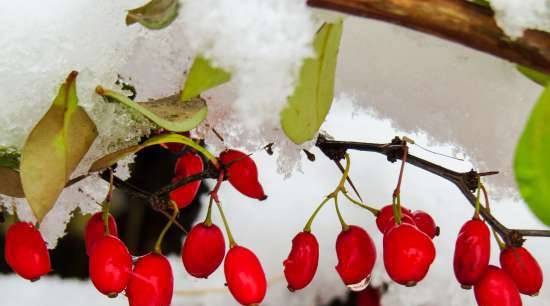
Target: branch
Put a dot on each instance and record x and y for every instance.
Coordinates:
(465, 181)
(460, 21)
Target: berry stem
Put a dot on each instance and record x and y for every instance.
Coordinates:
(396, 198)
(232, 242)
(498, 239)
(307, 227)
(373, 210)
(158, 244)
(208, 220)
(342, 182)
(107, 204)
(478, 203)
(342, 222)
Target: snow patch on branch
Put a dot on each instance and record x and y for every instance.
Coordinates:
(516, 16)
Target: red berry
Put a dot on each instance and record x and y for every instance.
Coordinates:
(496, 288)
(110, 265)
(203, 250)
(408, 254)
(187, 165)
(425, 223)
(404, 219)
(356, 255)
(523, 268)
(368, 297)
(301, 264)
(244, 276)
(385, 214)
(151, 283)
(25, 251)
(472, 252)
(242, 173)
(96, 229)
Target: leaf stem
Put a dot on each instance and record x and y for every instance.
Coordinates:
(158, 244)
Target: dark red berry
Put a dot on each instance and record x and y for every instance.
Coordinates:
(408, 254)
(472, 252)
(496, 288)
(203, 250)
(244, 276)
(425, 223)
(110, 265)
(356, 255)
(404, 219)
(25, 251)
(242, 173)
(369, 296)
(187, 165)
(151, 282)
(385, 214)
(523, 268)
(95, 229)
(301, 264)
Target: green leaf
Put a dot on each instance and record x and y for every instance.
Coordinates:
(54, 148)
(202, 76)
(11, 183)
(110, 159)
(168, 113)
(532, 163)
(309, 104)
(483, 3)
(154, 15)
(535, 76)
(9, 157)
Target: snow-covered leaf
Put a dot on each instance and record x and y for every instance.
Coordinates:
(535, 76)
(11, 183)
(202, 76)
(54, 148)
(108, 160)
(168, 113)
(9, 157)
(154, 15)
(309, 104)
(532, 165)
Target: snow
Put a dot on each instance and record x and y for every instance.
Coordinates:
(515, 16)
(445, 96)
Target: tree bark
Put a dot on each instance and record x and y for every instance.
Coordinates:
(460, 21)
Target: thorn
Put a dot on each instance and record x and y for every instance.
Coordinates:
(309, 155)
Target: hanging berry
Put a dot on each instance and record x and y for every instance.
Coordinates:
(408, 254)
(110, 265)
(301, 264)
(25, 251)
(187, 165)
(425, 223)
(95, 228)
(244, 276)
(495, 287)
(472, 252)
(356, 255)
(203, 250)
(385, 216)
(404, 219)
(151, 282)
(242, 173)
(523, 268)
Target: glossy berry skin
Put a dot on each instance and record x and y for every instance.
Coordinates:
(356, 255)
(25, 251)
(203, 250)
(496, 288)
(404, 219)
(472, 252)
(368, 297)
(408, 254)
(244, 276)
(302, 261)
(95, 229)
(385, 214)
(242, 173)
(110, 265)
(425, 223)
(523, 268)
(151, 282)
(187, 165)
